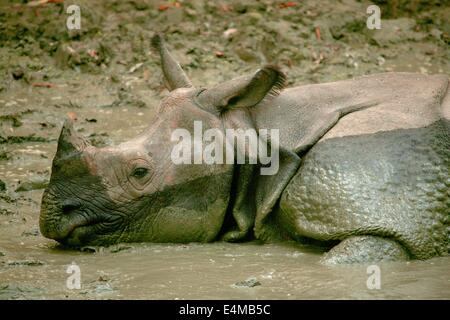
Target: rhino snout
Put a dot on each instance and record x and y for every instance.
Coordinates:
(58, 219)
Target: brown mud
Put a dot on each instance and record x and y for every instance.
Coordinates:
(106, 76)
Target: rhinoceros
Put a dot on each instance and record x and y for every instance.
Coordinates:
(363, 169)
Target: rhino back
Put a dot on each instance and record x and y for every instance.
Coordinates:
(307, 113)
(393, 184)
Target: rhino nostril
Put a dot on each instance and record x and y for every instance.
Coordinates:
(70, 205)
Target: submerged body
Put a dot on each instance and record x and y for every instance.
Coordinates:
(363, 161)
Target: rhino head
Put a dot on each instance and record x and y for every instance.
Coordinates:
(133, 192)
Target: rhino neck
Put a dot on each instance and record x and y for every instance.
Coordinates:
(253, 195)
(304, 114)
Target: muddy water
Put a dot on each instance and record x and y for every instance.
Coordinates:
(207, 271)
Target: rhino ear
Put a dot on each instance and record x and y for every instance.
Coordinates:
(244, 92)
(173, 73)
(69, 141)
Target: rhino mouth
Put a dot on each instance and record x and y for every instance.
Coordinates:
(78, 234)
(70, 227)
(73, 232)
(67, 221)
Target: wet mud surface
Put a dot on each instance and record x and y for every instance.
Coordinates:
(106, 77)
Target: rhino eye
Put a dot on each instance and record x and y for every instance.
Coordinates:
(140, 172)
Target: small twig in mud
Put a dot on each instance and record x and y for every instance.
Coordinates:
(93, 53)
(72, 115)
(225, 7)
(219, 54)
(287, 4)
(42, 2)
(318, 58)
(146, 74)
(68, 105)
(229, 32)
(43, 85)
(135, 67)
(288, 62)
(318, 36)
(163, 7)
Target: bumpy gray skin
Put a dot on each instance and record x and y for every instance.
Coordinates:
(390, 184)
(364, 249)
(364, 164)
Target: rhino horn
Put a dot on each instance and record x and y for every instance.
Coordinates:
(173, 73)
(69, 141)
